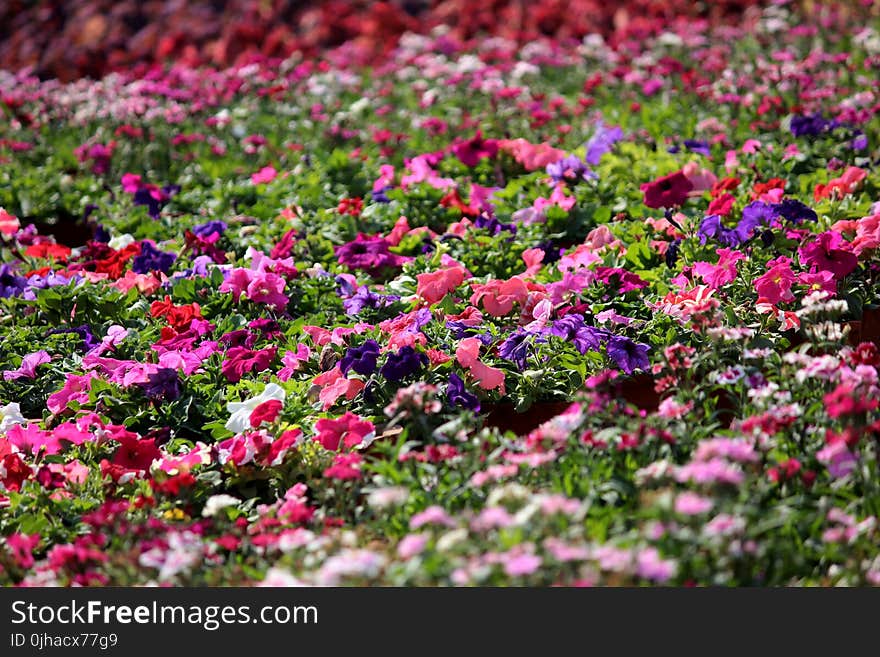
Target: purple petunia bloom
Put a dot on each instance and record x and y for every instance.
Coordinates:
(573, 328)
(209, 228)
(370, 254)
(811, 125)
(405, 362)
(697, 146)
(516, 348)
(361, 359)
(569, 168)
(28, 367)
(794, 211)
(628, 355)
(152, 259)
(11, 284)
(83, 332)
(458, 395)
(162, 385)
(602, 142)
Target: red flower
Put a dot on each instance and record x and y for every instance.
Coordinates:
(135, 453)
(667, 191)
(177, 316)
(266, 412)
(17, 471)
(348, 430)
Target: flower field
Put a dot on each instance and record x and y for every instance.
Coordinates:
(594, 311)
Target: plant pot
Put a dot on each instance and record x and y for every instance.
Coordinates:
(870, 326)
(503, 415)
(639, 391)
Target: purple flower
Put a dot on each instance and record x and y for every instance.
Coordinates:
(602, 142)
(28, 367)
(573, 328)
(152, 259)
(405, 362)
(458, 395)
(163, 384)
(370, 254)
(83, 332)
(361, 359)
(209, 228)
(516, 348)
(493, 224)
(811, 125)
(697, 146)
(628, 355)
(569, 168)
(11, 284)
(794, 211)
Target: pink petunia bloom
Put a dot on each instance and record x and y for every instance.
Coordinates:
(839, 187)
(829, 252)
(499, 296)
(531, 156)
(467, 355)
(434, 286)
(240, 360)
(335, 385)
(268, 289)
(667, 191)
(823, 281)
(28, 367)
(721, 273)
(75, 389)
(775, 285)
(293, 360)
(265, 175)
(701, 180)
(473, 150)
(348, 431)
(9, 224)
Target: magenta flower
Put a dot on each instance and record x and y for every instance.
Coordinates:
(473, 150)
(775, 285)
(28, 367)
(829, 252)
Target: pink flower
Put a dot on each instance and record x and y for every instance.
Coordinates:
(839, 459)
(345, 467)
(293, 360)
(75, 389)
(667, 191)
(521, 564)
(348, 431)
(28, 367)
(775, 285)
(335, 385)
(839, 187)
(649, 565)
(9, 223)
(723, 272)
(818, 281)
(473, 150)
(434, 286)
(265, 175)
(701, 180)
(531, 156)
(411, 545)
(486, 377)
(433, 515)
(499, 296)
(691, 504)
(268, 289)
(829, 252)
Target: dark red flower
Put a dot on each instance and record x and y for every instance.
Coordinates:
(667, 191)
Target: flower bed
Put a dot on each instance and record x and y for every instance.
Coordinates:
(542, 315)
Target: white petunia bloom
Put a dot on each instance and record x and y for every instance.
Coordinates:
(240, 418)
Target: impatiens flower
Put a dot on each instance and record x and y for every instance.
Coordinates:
(346, 431)
(241, 412)
(667, 191)
(28, 367)
(629, 356)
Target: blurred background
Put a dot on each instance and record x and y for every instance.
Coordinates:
(68, 39)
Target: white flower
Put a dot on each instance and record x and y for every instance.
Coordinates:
(120, 241)
(240, 418)
(217, 502)
(10, 415)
